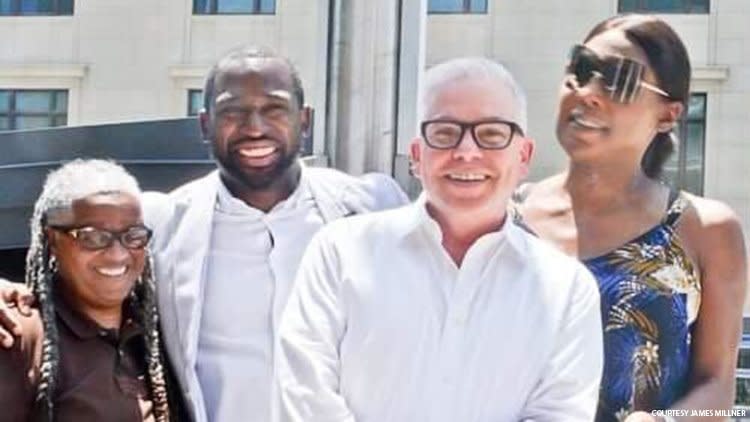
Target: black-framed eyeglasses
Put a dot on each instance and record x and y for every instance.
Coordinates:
(93, 239)
(622, 77)
(487, 134)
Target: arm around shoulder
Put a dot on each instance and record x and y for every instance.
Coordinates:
(386, 191)
(19, 367)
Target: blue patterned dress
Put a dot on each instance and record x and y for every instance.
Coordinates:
(650, 296)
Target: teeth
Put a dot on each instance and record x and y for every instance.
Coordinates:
(467, 177)
(112, 271)
(579, 120)
(256, 152)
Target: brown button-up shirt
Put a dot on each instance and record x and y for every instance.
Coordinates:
(101, 374)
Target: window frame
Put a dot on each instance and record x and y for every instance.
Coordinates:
(214, 9)
(190, 93)
(12, 113)
(15, 9)
(465, 9)
(687, 8)
(684, 130)
(742, 374)
(675, 168)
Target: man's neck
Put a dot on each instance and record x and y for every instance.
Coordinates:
(461, 231)
(264, 199)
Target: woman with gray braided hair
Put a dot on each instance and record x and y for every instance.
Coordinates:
(90, 352)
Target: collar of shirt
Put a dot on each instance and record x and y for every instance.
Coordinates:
(85, 329)
(418, 219)
(230, 204)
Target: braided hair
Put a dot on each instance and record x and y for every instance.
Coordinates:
(76, 180)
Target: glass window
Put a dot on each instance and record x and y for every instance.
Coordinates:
(664, 6)
(742, 397)
(743, 360)
(457, 6)
(195, 102)
(36, 7)
(4, 101)
(234, 7)
(5, 7)
(33, 101)
(30, 109)
(32, 122)
(684, 170)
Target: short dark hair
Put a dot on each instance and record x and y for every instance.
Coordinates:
(244, 52)
(669, 60)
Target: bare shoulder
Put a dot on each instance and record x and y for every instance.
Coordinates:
(713, 232)
(709, 217)
(532, 191)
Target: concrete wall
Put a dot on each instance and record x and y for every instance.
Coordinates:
(135, 59)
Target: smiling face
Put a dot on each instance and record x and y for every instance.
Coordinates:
(469, 180)
(592, 126)
(255, 122)
(96, 280)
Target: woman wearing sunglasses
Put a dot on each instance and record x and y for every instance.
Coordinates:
(671, 266)
(91, 351)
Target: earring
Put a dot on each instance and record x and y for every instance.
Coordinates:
(53, 263)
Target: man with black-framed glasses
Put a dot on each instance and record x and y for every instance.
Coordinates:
(444, 310)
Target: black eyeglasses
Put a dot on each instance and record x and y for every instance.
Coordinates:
(622, 77)
(487, 134)
(91, 238)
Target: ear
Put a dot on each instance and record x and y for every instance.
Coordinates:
(306, 119)
(670, 117)
(205, 122)
(52, 240)
(527, 153)
(415, 157)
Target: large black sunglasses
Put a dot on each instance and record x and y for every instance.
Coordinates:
(93, 239)
(622, 78)
(487, 134)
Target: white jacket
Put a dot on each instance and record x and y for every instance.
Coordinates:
(182, 222)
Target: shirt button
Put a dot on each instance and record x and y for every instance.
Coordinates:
(459, 318)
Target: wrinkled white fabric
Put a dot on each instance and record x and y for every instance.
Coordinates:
(383, 326)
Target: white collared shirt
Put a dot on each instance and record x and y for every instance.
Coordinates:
(383, 326)
(251, 264)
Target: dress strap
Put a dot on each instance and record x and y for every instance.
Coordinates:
(514, 205)
(677, 204)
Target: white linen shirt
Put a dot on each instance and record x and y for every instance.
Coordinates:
(382, 326)
(251, 264)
